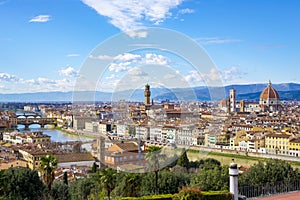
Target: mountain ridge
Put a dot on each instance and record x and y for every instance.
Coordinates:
(249, 92)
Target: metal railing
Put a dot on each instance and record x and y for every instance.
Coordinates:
(270, 189)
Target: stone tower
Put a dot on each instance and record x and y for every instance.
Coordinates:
(232, 100)
(147, 94)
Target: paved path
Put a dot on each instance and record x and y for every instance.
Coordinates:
(290, 196)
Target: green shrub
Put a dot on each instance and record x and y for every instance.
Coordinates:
(156, 197)
(189, 193)
(217, 195)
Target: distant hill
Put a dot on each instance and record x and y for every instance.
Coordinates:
(284, 95)
(288, 91)
(250, 92)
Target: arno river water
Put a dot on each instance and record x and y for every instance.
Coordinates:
(56, 135)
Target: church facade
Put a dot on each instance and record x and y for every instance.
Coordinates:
(269, 101)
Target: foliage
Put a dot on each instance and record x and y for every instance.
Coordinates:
(270, 172)
(189, 193)
(168, 184)
(156, 197)
(214, 195)
(133, 184)
(94, 168)
(129, 184)
(47, 167)
(152, 157)
(65, 178)
(196, 164)
(217, 195)
(183, 160)
(82, 189)
(21, 183)
(108, 180)
(210, 163)
(60, 191)
(211, 179)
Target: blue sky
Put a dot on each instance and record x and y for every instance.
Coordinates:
(44, 43)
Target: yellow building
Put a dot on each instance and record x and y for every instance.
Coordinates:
(277, 143)
(38, 138)
(294, 147)
(34, 158)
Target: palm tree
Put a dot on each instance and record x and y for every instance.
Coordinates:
(152, 157)
(47, 167)
(132, 185)
(108, 177)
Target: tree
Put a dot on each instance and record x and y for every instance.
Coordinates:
(152, 158)
(60, 191)
(21, 183)
(94, 168)
(47, 167)
(211, 179)
(270, 172)
(210, 163)
(65, 178)
(169, 182)
(183, 160)
(130, 185)
(82, 189)
(108, 180)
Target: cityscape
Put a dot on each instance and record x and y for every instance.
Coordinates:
(162, 99)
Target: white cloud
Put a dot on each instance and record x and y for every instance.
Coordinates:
(2, 86)
(232, 74)
(40, 18)
(193, 76)
(119, 67)
(212, 78)
(42, 81)
(124, 62)
(173, 75)
(128, 15)
(121, 57)
(186, 11)
(43, 84)
(137, 72)
(155, 59)
(112, 76)
(126, 57)
(137, 34)
(217, 40)
(101, 57)
(70, 71)
(5, 77)
(73, 55)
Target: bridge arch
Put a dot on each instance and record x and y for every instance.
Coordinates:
(41, 121)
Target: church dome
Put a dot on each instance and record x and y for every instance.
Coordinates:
(269, 93)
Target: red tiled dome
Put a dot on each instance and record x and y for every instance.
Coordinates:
(269, 93)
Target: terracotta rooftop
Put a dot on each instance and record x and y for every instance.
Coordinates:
(278, 135)
(127, 146)
(269, 92)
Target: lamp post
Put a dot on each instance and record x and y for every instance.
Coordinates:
(233, 179)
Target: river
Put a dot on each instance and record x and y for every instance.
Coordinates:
(56, 135)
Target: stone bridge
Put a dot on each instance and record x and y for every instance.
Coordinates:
(41, 121)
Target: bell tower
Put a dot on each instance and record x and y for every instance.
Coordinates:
(147, 94)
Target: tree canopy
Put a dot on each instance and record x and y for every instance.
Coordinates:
(47, 167)
(20, 184)
(270, 172)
